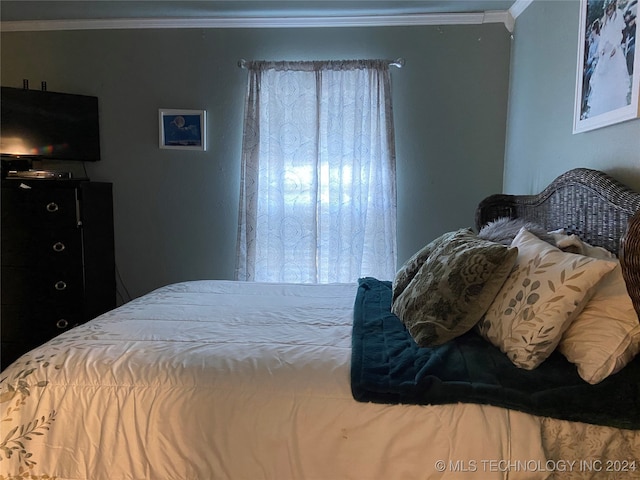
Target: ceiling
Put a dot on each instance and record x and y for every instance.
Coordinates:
(27, 10)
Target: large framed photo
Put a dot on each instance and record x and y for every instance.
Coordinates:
(182, 129)
(608, 73)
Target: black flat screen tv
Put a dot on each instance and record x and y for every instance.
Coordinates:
(42, 125)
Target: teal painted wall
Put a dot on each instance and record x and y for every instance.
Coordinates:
(540, 143)
(176, 211)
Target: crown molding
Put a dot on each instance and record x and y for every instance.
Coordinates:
(518, 7)
(261, 22)
(500, 17)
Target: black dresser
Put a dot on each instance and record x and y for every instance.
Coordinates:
(58, 266)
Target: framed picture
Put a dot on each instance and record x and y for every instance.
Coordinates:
(182, 129)
(608, 73)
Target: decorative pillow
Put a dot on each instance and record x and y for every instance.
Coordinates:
(572, 243)
(504, 229)
(546, 290)
(410, 268)
(606, 334)
(454, 287)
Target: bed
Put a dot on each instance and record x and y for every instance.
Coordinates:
(240, 380)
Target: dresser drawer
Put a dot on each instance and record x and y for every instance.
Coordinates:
(28, 285)
(10, 351)
(54, 248)
(36, 323)
(57, 253)
(37, 208)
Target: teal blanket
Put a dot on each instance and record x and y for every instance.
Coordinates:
(388, 367)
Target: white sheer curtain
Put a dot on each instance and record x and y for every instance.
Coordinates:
(318, 186)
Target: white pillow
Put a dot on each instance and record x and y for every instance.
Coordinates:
(573, 244)
(606, 334)
(546, 290)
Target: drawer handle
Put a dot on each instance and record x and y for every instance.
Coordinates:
(58, 247)
(60, 285)
(62, 323)
(52, 207)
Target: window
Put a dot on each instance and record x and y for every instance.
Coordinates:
(318, 194)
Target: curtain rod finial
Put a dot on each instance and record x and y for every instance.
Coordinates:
(242, 63)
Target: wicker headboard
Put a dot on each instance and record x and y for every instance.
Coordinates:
(599, 209)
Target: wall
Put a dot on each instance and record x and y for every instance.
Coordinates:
(540, 144)
(176, 212)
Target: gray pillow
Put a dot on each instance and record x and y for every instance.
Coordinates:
(504, 229)
(454, 287)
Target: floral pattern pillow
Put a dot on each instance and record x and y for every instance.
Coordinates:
(410, 268)
(544, 293)
(453, 288)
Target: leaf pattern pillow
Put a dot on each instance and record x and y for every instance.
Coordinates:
(546, 290)
(454, 287)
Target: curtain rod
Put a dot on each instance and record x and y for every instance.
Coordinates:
(398, 62)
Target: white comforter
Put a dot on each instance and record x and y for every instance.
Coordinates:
(227, 380)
